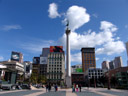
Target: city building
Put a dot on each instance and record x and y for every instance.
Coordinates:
(13, 71)
(43, 61)
(78, 78)
(127, 51)
(36, 65)
(17, 56)
(56, 65)
(27, 69)
(2, 70)
(92, 77)
(88, 58)
(119, 76)
(118, 62)
(105, 65)
(94, 73)
(111, 65)
(76, 68)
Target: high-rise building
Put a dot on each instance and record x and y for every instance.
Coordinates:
(88, 58)
(105, 65)
(17, 56)
(45, 52)
(43, 61)
(36, 65)
(27, 68)
(118, 62)
(56, 65)
(111, 65)
(127, 51)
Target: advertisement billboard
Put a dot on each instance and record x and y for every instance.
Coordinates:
(43, 60)
(15, 56)
(36, 60)
(79, 70)
(56, 48)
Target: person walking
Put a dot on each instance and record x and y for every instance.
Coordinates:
(46, 87)
(77, 88)
(56, 87)
(80, 87)
(73, 88)
(49, 87)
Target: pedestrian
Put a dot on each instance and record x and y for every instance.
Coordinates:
(46, 87)
(77, 88)
(49, 87)
(73, 88)
(80, 87)
(56, 87)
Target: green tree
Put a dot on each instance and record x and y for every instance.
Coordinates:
(42, 79)
(34, 78)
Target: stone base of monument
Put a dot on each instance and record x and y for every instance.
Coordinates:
(68, 82)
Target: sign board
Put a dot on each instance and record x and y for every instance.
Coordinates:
(79, 70)
(15, 56)
(56, 48)
(36, 60)
(43, 60)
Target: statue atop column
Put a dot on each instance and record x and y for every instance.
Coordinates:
(68, 65)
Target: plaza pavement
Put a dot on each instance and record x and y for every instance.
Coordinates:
(66, 92)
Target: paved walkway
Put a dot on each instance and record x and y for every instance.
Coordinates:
(66, 92)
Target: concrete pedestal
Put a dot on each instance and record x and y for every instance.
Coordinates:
(68, 81)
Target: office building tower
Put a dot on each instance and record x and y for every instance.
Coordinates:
(36, 65)
(105, 65)
(17, 56)
(118, 62)
(43, 61)
(88, 58)
(56, 65)
(27, 69)
(111, 65)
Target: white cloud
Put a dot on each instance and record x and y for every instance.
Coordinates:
(108, 26)
(111, 48)
(106, 59)
(1, 58)
(97, 58)
(77, 17)
(53, 13)
(76, 57)
(104, 38)
(10, 27)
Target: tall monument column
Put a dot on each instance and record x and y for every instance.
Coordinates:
(68, 66)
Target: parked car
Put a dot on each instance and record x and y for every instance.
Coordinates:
(16, 87)
(25, 86)
(6, 86)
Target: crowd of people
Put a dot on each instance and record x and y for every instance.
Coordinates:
(76, 87)
(48, 87)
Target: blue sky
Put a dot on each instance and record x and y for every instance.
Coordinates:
(29, 25)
